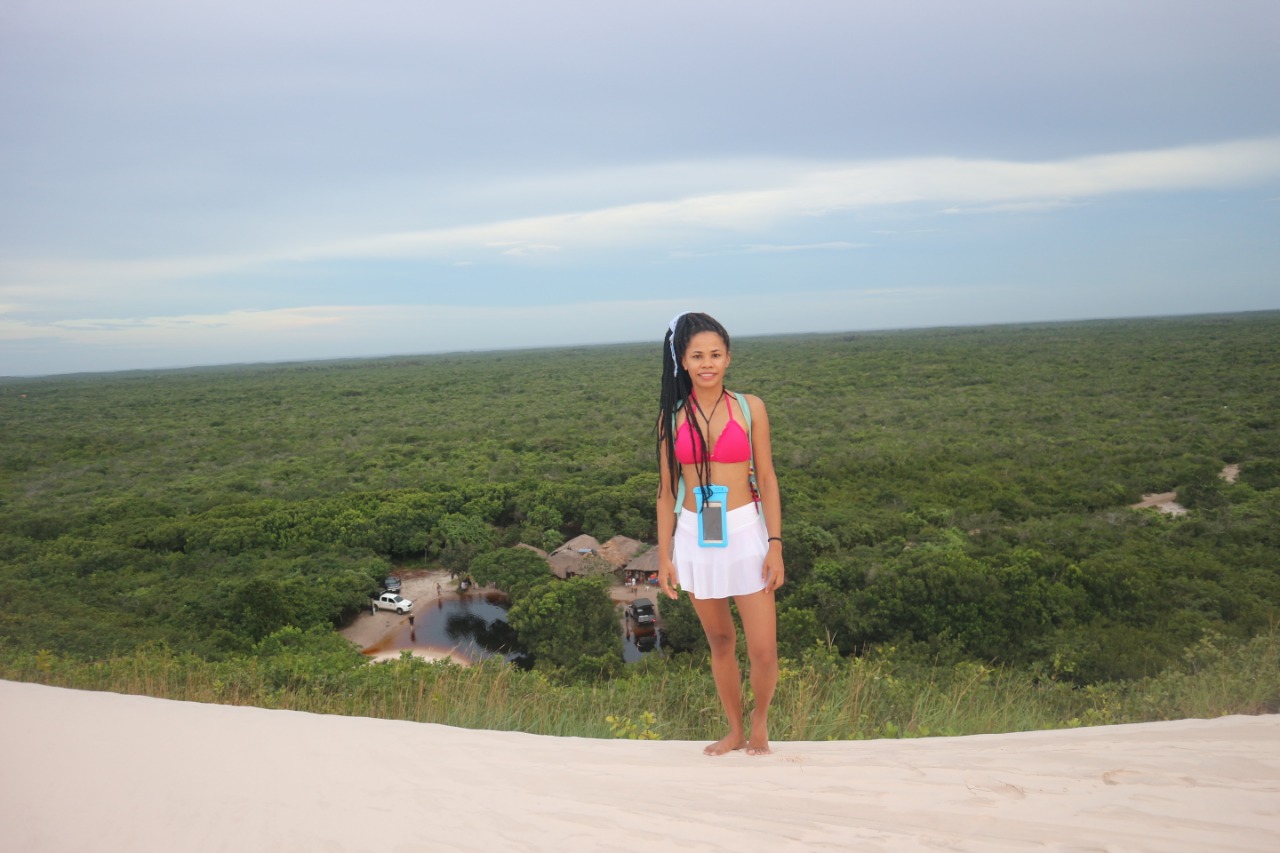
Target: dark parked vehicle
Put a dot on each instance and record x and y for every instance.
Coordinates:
(392, 584)
(642, 611)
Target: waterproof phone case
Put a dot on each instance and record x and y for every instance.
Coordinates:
(712, 530)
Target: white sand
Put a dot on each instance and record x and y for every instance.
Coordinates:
(103, 772)
(1166, 502)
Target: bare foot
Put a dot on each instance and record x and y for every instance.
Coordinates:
(728, 743)
(759, 743)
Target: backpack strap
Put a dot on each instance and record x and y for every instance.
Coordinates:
(680, 490)
(751, 468)
(746, 414)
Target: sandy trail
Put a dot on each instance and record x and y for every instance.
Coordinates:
(1167, 502)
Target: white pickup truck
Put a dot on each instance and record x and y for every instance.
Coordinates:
(391, 601)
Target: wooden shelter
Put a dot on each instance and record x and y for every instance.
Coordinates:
(620, 550)
(579, 556)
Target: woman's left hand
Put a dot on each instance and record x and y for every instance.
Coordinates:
(773, 572)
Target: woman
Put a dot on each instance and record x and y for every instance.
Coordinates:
(720, 500)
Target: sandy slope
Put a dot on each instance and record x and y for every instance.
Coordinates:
(104, 772)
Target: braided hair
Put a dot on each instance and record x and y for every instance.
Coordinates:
(676, 388)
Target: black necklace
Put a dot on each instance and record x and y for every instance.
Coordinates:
(705, 417)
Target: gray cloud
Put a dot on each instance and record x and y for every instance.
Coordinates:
(286, 153)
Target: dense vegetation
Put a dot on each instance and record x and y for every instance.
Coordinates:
(821, 696)
(958, 494)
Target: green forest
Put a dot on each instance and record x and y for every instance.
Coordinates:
(954, 498)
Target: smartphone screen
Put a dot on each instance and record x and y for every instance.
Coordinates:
(712, 523)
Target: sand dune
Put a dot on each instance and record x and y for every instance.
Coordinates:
(103, 772)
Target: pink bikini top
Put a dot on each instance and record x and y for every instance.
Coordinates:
(733, 445)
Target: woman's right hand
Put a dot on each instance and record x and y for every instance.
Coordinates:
(668, 581)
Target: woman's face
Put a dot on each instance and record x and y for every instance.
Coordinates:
(706, 358)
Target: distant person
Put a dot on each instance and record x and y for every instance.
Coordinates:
(724, 540)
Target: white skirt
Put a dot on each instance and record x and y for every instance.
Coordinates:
(737, 569)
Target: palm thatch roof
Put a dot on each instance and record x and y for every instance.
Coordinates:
(578, 556)
(646, 562)
(619, 550)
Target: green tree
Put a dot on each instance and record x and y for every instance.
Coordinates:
(571, 625)
(462, 538)
(681, 630)
(515, 571)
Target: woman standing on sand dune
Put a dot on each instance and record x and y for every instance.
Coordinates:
(719, 517)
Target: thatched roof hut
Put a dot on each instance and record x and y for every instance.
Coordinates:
(579, 544)
(584, 555)
(578, 556)
(619, 550)
(646, 562)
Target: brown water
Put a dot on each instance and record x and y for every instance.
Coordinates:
(473, 625)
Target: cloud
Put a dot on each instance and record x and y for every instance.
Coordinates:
(1044, 206)
(322, 331)
(342, 331)
(179, 328)
(771, 249)
(838, 245)
(529, 250)
(678, 226)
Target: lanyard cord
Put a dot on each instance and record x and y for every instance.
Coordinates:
(705, 417)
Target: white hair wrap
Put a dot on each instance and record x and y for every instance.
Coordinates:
(675, 361)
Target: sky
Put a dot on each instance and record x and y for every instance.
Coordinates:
(204, 183)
